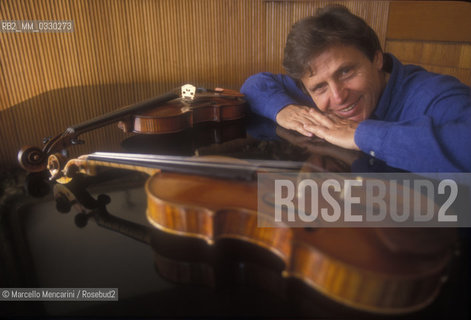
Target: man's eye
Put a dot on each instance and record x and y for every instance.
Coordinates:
(345, 73)
(319, 89)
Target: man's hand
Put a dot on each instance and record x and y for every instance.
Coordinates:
(295, 117)
(309, 122)
(333, 129)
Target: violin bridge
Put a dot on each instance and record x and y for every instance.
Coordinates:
(188, 92)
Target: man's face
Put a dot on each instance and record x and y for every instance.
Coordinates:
(345, 82)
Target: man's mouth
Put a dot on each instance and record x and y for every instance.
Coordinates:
(350, 107)
(349, 110)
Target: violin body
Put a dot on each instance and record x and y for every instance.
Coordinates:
(178, 115)
(351, 266)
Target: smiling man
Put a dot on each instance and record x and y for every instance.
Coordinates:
(341, 87)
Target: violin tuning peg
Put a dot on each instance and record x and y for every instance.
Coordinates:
(63, 205)
(81, 220)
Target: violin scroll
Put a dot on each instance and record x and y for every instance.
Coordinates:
(32, 159)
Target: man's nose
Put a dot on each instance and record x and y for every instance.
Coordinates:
(338, 93)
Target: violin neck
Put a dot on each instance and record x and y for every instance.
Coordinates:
(176, 164)
(243, 170)
(121, 113)
(128, 228)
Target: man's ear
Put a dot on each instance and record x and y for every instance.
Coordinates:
(378, 60)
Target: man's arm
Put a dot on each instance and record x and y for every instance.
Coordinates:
(431, 132)
(419, 144)
(267, 94)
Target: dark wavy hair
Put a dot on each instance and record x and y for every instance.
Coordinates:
(332, 25)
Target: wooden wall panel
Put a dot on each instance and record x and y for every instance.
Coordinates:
(164, 41)
(448, 58)
(433, 34)
(419, 20)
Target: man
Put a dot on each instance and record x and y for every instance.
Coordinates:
(342, 88)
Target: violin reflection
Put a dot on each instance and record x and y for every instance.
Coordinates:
(186, 142)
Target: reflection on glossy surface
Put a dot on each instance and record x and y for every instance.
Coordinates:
(187, 142)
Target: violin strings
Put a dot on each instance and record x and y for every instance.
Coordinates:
(186, 161)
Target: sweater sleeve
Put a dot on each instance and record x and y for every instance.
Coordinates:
(436, 140)
(268, 93)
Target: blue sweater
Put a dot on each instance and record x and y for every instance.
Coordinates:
(422, 122)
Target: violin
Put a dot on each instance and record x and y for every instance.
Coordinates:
(174, 111)
(211, 199)
(178, 115)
